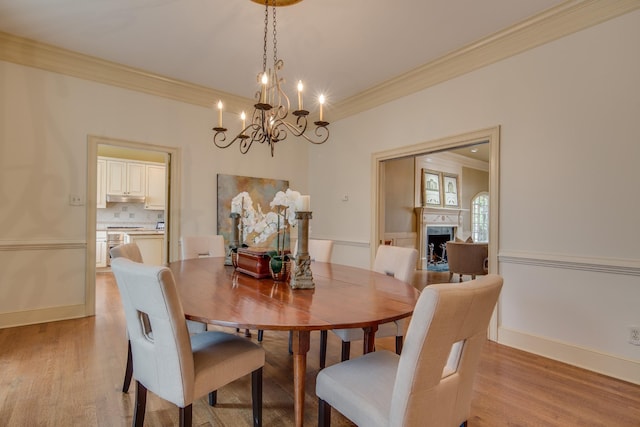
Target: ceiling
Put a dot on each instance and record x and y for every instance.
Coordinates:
(337, 47)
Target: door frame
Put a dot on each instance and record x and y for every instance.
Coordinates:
(172, 211)
(490, 135)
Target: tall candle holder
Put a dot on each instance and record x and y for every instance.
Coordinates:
(234, 241)
(302, 277)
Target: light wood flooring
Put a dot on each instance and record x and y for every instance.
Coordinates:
(69, 373)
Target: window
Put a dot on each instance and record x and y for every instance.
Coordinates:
(480, 217)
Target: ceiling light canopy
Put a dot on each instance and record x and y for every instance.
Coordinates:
(278, 3)
(269, 124)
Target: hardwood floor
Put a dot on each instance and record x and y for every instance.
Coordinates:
(69, 373)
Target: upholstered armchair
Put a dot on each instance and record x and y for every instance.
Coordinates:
(467, 259)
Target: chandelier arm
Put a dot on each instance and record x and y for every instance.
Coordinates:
(220, 137)
(322, 132)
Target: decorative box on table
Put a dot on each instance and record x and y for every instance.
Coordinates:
(255, 262)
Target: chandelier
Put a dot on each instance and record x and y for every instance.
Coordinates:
(270, 122)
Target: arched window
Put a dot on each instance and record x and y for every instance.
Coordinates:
(480, 217)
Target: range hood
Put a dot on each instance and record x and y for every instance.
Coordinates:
(124, 199)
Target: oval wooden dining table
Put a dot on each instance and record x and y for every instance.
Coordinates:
(343, 297)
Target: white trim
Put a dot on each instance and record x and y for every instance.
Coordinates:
(42, 315)
(557, 22)
(41, 245)
(172, 212)
(626, 267)
(613, 366)
(351, 243)
(489, 135)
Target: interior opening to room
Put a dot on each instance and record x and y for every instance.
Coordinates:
(428, 199)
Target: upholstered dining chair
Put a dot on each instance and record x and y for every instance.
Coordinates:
(202, 246)
(319, 250)
(168, 361)
(430, 383)
(395, 261)
(132, 252)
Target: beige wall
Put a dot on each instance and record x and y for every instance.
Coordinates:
(568, 112)
(399, 196)
(45, 120)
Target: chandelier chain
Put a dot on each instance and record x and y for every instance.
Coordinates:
(275, 39)
(266, 27)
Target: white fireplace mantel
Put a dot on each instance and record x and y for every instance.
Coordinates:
(438, 217)
(434, 217)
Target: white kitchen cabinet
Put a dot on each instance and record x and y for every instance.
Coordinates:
(126, 178)
(155, 194)
(101, 193)
(151, 245)
(101, 249)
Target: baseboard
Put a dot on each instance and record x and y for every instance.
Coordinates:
(51, 314)
(606, 364)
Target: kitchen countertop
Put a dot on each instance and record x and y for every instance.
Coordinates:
(144, 232)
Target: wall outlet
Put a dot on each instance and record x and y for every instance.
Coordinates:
(75, 200)
(634, 335)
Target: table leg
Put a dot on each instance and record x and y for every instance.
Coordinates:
(300, 343)
(369, 339)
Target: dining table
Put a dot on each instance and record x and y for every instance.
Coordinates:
(343, 297)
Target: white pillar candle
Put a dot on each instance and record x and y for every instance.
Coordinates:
(303, 204)
(300, 87)
(321, 100)
(265, 80)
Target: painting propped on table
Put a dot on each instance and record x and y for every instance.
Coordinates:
(261, 190)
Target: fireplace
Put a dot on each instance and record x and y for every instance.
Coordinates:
(438, 237)
(435, 225)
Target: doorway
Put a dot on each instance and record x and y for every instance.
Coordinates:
(490, 136)
(172, 160)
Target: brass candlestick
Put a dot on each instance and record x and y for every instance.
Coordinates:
(302, 277)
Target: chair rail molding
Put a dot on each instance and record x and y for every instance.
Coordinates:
(627, 267)
(41, 245)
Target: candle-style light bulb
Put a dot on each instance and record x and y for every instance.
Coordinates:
(220, 113)
(265, 80)
(321, 101)
(243, 116)
(300, 87)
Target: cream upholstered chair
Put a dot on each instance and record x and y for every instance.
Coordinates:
(202, 246)
(131, 251)
(319, 250)
(394, 261)
(467, 259)
(168, 361)
(128, 250)
(430, 384)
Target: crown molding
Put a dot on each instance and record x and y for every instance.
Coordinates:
(35, 54)
(552, 24)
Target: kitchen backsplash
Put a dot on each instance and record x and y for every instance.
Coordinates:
(127, 215)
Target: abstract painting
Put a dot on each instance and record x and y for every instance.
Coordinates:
(261, 190)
